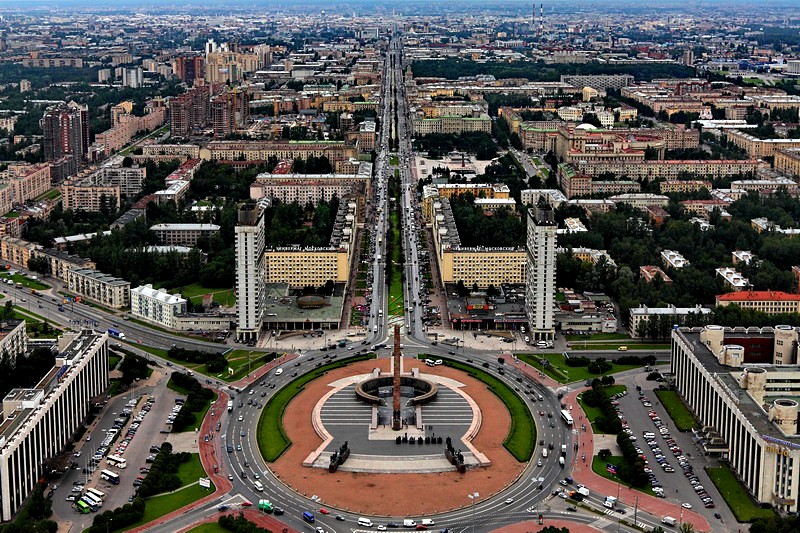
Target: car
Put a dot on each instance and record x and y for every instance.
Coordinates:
(322, 510)
(246, 504)
(572, 508)
(241, 418)
(539, 462)
(562, 483)
(278, 371)
(392, 524)
(717, 516)
(238, 447)
(223, 508)
(381, 527)
(242, 433)
(255, 475)
(421, 527)
(686, 505)
(319, 529)
(278, 510)
(230, 477)
(552, 425)
(340, 518)
(70, 498)
(509, 501)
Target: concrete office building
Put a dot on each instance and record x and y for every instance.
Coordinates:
(157, 305)
(250, 285)
(37, 423)
(743, 386)
(540, 287)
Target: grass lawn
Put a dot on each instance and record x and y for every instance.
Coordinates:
(209, 527)
(394, 160)
(736, 495)
(593, 412)
(237, 360)
(192, 470)
(558, 370)
(158, 506)
(272, 439)
(113, 360)
(195, 292)
(614, 346)
(598, 337)
(396, 304)
(683, 419)
(599, 467)
(52, 194)
(522, 434)
(26, 281)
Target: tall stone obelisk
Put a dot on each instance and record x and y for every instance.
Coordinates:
(397, 421)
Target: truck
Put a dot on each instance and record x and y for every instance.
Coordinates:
(561, 462)
(668, 520)
(116, 333)
(583, 491)
(610, 502)
(230, 406)
(563, 449)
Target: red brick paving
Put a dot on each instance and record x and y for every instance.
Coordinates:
(583, 473)
(532, 526)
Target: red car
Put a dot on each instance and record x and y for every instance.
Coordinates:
(247, 504)
(420, 527)
(324, 511)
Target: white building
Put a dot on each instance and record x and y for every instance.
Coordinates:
(572, 225)
(677, 315)
(742, 256)
(38, 423)
(733, 278)
(673, 259)
(553, 197)
(251, 292)
(540, 285)
(156, 305)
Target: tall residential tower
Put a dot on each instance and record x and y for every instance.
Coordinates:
(541, 271)
(251, 293)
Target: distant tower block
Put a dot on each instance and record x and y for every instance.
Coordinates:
(541, 19)
(796, 272)
(397, 422)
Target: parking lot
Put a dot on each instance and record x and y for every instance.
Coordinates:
(675, 464)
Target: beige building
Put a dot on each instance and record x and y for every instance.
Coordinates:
(88, 190)
(28, 181)
(759, 148)
(314, 267)
(769, 302)
(683, 186)
(481, 266)
(788, 161)
(19, 252)
(262, 150)
(99, 288)
(171, 151)
(672, 169)
(451, 124)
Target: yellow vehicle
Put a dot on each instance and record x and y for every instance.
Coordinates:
(622, 349)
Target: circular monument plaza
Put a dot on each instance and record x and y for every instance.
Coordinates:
(426, 435)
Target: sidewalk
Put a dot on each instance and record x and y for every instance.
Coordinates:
(582, 473)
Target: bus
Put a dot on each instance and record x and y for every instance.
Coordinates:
(109, 476)
(566, 417)
(91, 499)
(117, 461)
(83, 507)
(92, 507)
(94, 492)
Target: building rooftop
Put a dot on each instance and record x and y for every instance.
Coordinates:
(754, 296)
(184, 227)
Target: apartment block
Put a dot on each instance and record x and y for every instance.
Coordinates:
(157, 305)
(676, 315)
(669, 169)
(93, 188)
(28, 181)
(38, 423)
(451, 124)
(788, 161)
(13, 341)
(540, 266)
(262, 150)
(683, 186)
(99, 288)
(673, 259)
(250, 272)
(183, 234)
(759, 148)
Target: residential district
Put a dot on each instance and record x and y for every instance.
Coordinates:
(358, 266)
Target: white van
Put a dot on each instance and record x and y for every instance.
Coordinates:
(366, 522)
(408, 522)
(258, 485)
(544, 453)
(427, 522)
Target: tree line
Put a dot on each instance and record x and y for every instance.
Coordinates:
(196, 401)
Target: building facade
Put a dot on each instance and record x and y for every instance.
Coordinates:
(540, 289)
(183, 234)
(99, 288)
(157, 305)
(38, 423)
(250, 272)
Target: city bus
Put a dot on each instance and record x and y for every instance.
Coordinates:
(87, 501)
(94, 492)
(109, 476)
(566, 417)
(92, 500)
(117, 461)
(83, 507)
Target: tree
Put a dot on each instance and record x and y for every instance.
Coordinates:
(40, 265)
(604, 454)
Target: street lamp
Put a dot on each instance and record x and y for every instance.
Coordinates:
(473, 497)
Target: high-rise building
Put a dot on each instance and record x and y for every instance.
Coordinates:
(65, 129)
(541, 271)
(189, 68)
(229, 111)
(251, 292)
(190, 110)
(133, 77)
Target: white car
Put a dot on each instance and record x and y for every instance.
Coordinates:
(686, 505)
(509, 501)
(278, 371)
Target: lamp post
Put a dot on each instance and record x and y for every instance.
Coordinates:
(473, 497)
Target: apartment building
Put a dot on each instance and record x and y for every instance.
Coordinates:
(95, 189)
(770, 302)
(155, 152)
(746, 405)
(483, 266)
(157, 305)
(676, 315)
(313, 188)
(451, 124)
(38, 423)
(683, 186)
(183, 234)
(27, 181)
(640, 200)
(788, 161)
(673, 259)
(262, 150)
(759, 148)
(99, 288)
(19, 252)
(540, 272)
(125, 126)
(650, 273)
(589, 255)
(250, 272)
(314, 266)
(669, 169)
(599, 82)
(553, 197)
(13, 341)
(742, 256)
(733, 279)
